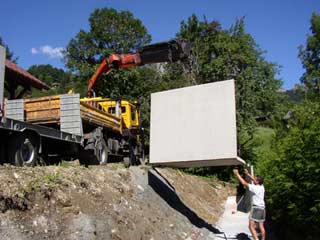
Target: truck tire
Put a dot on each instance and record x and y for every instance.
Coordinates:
(24, 150)
(93, 155)
(2, 153)
(101, 153)
(127, 162)
(142, 158)
(131, 160)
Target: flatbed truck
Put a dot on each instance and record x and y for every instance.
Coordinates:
(92, 129)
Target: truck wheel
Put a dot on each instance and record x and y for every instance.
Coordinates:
(131, 159)
(102, 153)
(142, 157)
(127, 162)
(24, 150)
(93, 155)
(2, 151)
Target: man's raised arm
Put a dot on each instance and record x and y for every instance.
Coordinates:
(241, 180)
(250, 176)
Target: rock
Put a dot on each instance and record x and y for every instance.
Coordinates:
(120, 189)
(41, 221)
(96, 191)
(140, 188)
(83, 227)
(63, 199)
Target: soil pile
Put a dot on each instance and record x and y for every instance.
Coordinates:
(108, 202)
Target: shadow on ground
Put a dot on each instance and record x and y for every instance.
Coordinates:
(239, 236)
(242, 236)
(167, 193)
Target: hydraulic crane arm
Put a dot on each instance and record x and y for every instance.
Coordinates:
(171, 51)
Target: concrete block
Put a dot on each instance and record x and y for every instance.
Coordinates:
(2, 72)
(70, 117)
(194, 126)
(15, 109)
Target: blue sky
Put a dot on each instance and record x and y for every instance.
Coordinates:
(36, 30)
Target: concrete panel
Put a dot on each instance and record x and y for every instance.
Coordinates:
(70, 117)
(2, 71)
(15, 109)
(194, 126)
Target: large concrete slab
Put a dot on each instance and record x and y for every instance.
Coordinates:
(194, 126)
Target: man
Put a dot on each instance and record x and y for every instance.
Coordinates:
(257, 213)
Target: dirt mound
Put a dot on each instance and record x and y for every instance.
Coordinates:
(107, 202)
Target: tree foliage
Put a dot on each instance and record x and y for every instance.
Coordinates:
(50, 75)
(292, 170)
(111, 31)
(292, 165)
(220, 54)
(59, 80)
(9, 53)
(310, 58)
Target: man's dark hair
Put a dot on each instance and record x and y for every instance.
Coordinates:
(259, 179)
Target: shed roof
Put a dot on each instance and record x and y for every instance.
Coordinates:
(22, 77)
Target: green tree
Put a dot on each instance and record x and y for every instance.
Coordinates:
(297, 94)
(310, 58)
(9, 53)
(220, 54)
(111, 31)
(292, 173)
(59, 80)
(119, 32)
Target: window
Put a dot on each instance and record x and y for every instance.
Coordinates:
(112, 110)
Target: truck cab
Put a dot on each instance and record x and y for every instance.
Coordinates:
(129, 112)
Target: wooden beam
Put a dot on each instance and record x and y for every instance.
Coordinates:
(22, 92)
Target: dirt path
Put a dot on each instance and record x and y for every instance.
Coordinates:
(233, 224)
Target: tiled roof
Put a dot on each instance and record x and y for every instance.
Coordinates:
(27, 78)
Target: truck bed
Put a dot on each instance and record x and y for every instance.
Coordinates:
(62, 109)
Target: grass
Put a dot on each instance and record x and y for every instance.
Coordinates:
(263, 138)
(65, 164)
(265, 135)
(52, 179)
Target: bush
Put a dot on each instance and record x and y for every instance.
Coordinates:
(292, 170)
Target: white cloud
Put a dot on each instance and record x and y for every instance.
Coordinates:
(52, 52)
(34, 50)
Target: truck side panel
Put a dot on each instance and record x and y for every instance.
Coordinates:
(63, 111)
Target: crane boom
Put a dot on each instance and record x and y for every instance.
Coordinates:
(170, 51)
